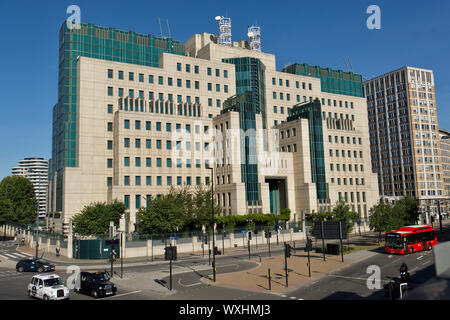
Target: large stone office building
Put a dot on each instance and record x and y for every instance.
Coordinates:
(137, 114)
(404, 135)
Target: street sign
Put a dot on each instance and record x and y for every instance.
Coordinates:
(331, 230)
(243, 232)
(174, 238)
(112, 231)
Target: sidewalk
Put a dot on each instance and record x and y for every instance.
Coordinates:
(257, 279)
(298, 275)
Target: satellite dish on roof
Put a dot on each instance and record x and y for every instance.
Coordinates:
(218, 18)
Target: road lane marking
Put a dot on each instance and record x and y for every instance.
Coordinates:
(420, 258)
(188, 285)
(426, 262)
(1, 256)
(236, 266)
(9, 255)
(20, 255)
(123, 294)
(26, 254)
(353, 278)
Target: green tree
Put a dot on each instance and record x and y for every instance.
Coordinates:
(17, 194)
(408, 209)
(201, 213)
(95, 218)
(161, 216)
(341, 212)
(6, 211)
(384, 218)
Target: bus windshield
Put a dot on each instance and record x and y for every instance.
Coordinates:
(394, 240)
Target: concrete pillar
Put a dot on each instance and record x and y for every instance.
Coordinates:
(291, 233)
(32, 242)
(231, 240)
(70, 241)
(48, 247)
(194, 242)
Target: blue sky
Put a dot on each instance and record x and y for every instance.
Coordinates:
(414, 33)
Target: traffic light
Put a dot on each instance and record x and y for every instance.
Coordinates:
(249, 235)
(287, 250)
(206, 240)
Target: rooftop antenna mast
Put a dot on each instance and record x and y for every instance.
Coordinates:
(350, 64)
(346, 64)
(254, 36)
(160, 28)
(224, 25)
(168, 28)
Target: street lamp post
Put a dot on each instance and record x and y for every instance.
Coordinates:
(212, 224)
(37, 215)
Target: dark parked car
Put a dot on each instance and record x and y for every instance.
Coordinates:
(33, 264)
(96, 284)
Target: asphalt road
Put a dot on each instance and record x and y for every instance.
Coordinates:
(351, 282)
(348, 283)
(186, 281)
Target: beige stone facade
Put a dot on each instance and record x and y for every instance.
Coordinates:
(153, 128)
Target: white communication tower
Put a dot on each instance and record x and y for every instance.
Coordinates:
(224, 25)
(254, 37)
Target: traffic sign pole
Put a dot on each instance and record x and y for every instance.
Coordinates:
(309, 265)
(223, 243)
(286, 248)
(323, 241)
(340, 237)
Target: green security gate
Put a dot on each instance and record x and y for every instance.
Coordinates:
(94, 249)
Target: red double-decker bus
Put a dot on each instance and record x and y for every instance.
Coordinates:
(410, 239)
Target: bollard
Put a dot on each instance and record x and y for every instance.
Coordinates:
(270, 280)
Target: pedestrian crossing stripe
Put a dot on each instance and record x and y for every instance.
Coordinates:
(14, 255)
(21, 255)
